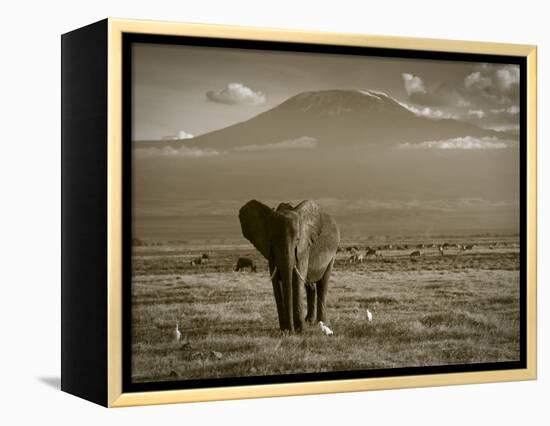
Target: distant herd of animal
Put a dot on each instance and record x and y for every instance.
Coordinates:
(358, 255)
(243, 263)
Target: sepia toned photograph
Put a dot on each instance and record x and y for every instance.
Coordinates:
(299, 213)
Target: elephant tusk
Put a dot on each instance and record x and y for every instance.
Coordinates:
(300, 275)
(273, 274)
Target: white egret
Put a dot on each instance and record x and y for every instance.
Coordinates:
(325, 329)
(177, 332)
(369, 315)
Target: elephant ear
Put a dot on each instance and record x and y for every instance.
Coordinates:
(253, 217)
(310, 222)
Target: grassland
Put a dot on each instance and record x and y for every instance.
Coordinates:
(454, 309)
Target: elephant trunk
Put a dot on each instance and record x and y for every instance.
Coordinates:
(285, 265)
(288, 301)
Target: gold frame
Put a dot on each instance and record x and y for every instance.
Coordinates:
(116, 398)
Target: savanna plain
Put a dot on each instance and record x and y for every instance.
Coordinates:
(458, 307)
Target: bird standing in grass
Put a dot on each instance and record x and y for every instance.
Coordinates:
(177, 332)
(369, 315)
(325, 329)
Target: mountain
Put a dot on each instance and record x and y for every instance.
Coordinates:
(334, 117)
(349, 167)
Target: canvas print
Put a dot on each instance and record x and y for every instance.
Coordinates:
(301, 212)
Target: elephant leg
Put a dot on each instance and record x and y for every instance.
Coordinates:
(278, 293)
(311, 295)
(322, 289)
(297, 296)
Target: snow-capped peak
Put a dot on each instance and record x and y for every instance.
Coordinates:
(370, 93)
(377, 94)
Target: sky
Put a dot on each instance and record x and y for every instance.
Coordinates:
(186, 90)
(461, 184)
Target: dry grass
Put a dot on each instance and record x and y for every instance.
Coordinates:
(460, 308)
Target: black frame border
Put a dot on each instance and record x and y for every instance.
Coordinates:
(128, 39)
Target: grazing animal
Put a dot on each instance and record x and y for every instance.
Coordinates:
(243, 263)
(198, 261)
(420, 246)
(300, 245)
(325, 329)
(177, 332)
(356, 258)
(469, 247)
(205, 256)
(369, 315)
(415, 254)
(372, 252)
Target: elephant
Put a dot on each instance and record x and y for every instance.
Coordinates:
(245, 262)
(300, 246)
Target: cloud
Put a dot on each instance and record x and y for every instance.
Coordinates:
(443, 94)
(477, 81)
(304, 142)
(461, 143)
(507, 77)
(485, 87)
(182, 134)
(237, 94)
(428, 112)
(413, 84)
(503, 119)
(511, 110)
(168, 151)
(510, 128)
(479, 113)
(493, 84)
(486, 95)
